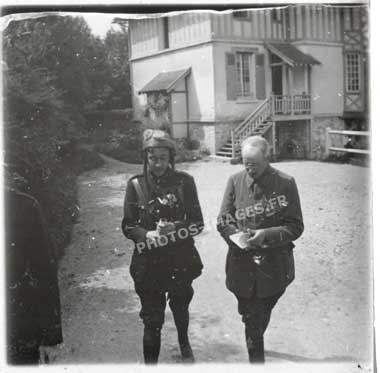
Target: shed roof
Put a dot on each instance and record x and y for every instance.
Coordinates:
(165, 81)
(291, 54)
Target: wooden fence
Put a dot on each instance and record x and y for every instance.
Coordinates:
(329, 145)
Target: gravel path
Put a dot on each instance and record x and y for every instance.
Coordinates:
(324, 316)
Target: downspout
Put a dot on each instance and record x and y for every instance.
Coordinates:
(311, 121)
(170, 113)
(129, 41)
(187, 108)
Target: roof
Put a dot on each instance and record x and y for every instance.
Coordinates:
(165, 81)
(291, 54)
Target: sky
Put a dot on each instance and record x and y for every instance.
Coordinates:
(99, 23)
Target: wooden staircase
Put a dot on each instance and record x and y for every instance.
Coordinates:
(257, 123)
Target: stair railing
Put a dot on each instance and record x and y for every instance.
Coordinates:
(253, 120)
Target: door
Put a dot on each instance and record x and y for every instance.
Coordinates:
(277, 89)
(277, 80)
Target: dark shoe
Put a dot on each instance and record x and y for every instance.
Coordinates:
(151, 345)
(187, 354)
(256, 353)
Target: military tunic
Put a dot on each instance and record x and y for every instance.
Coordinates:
(270, 203)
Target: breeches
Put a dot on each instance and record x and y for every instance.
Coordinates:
(153, 303)
(256, 314)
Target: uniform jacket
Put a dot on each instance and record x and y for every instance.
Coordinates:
(33, 303)
(270, 203)
(178, 259)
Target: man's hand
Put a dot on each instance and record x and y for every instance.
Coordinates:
(165, 228)
(257, 240)
(152, 236)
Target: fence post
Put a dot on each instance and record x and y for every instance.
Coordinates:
(271, 104)
(274, 140)
(294, 104)
(327, 142)
(233, 144)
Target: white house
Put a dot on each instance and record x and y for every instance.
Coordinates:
(286, 73)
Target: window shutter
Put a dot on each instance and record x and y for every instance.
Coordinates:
(260, 76)
(231, 76)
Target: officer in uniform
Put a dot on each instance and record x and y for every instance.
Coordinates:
(161, 215)
(32, 292)
(261, 203)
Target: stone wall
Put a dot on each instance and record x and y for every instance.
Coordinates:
(205, 133)
(211, 135)
(292, 139)
(293, 134)
(318, 135)
(223, 133)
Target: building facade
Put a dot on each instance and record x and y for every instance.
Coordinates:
(286, 73)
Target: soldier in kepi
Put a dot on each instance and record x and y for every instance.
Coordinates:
(161, 215)
(260, 217)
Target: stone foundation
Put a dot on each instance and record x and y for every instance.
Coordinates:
(223, 133)
(211, 135)
(292, 139)
(318, 135)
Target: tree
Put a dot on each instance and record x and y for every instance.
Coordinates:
(54, 71)
(66, 61)
(34, 112)
(116, 46)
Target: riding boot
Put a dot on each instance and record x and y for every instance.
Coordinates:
(186, 350)
(151, 344)
(179, 301)
(255, 349)
(182, 323)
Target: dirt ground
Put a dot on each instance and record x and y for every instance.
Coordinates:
(324, 316)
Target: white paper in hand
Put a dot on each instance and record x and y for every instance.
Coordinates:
(240, 239)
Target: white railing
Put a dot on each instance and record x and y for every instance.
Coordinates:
(291, 104)
(245, 129)
(274, 105)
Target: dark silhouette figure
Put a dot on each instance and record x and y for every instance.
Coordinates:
(32, 293)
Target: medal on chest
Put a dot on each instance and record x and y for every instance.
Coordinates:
(165, 205)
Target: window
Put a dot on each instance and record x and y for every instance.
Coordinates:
(165, 21)
(245, 76)
(276, 15)
(241, 15)
(352, 72)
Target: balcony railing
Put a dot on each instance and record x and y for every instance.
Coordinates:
(290, 104)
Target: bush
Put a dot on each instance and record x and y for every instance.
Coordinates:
(82, 160)
(59, 197)
(123, 144)
(54, 188)
(193, 144)
(189, 150)
(120, 152)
